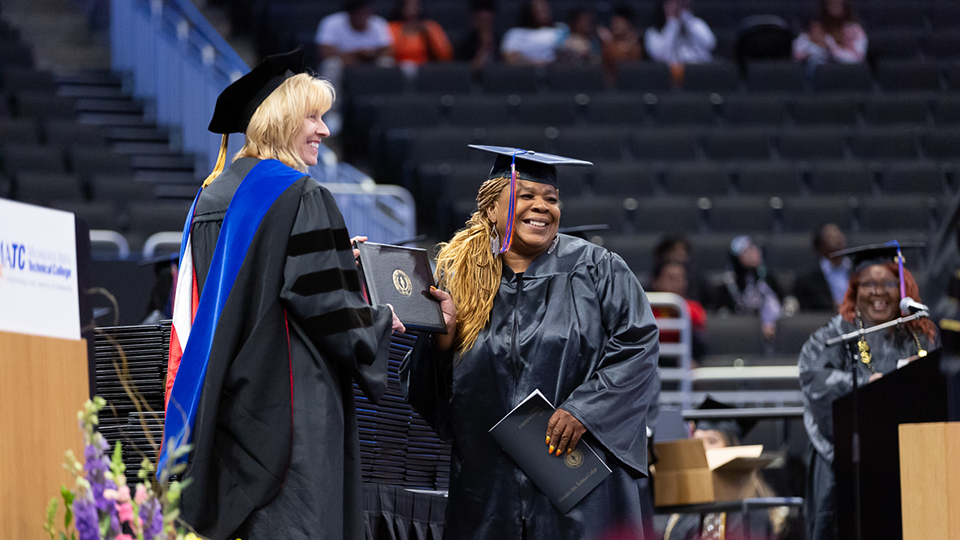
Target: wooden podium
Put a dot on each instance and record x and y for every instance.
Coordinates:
(930, 480)
(43, 383)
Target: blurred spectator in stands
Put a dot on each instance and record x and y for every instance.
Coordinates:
(671, 277)
(352, 36)
(835, 36)
(581, 44)
(620, 42)
(536, 39)
(677, 37)
(823, 286)
(677, 249)
(479, 46)
(417, 41)
(746, 287)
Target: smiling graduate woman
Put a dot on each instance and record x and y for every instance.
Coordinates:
(528, 308)
(270, 329)
(873, 297)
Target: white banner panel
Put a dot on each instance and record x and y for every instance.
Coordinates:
(38, 271)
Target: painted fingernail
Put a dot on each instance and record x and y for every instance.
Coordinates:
(548, 439)
(551, 449)
(559, 452)
(569, 450)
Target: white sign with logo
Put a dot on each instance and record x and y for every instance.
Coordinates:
(38, 271)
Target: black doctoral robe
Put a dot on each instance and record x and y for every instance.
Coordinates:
(825, 376)
(276, 453)
(577, 326)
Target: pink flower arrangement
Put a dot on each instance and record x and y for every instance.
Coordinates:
(100, 506)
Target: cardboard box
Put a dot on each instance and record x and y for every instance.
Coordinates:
(686, 473)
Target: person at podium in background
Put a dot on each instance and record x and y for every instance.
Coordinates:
(270, 329)
(531, 310)
(873, 297)
(767, 524)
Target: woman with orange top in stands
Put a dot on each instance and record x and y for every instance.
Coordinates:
(416, 41)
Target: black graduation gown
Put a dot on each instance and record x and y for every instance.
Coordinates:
(824, 377)
(577, 326)
(294, 333)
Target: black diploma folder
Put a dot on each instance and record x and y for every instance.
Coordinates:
(564, 479)
(402, 277)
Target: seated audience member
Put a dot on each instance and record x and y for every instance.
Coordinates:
(581, 45)
(620, 42)
(536, 39)
(823, 286)
(678, 37)
(835, 36)
(417, 41)
(746, 286)
(479, 46)
(768, 524)
(671, 277)
(677, 249)
(354, 36)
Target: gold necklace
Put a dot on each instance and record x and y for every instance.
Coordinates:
(921, 352)
(863, 347)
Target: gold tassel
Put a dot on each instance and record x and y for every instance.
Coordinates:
(221, 161)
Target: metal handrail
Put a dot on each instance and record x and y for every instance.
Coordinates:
(156, 239)
(683, 350)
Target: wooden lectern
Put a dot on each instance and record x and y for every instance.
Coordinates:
(914, 393)
(43, 383)
(930, 480)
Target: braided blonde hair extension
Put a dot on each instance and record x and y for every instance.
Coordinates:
(469, 270)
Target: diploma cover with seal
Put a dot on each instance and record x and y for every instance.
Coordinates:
(565, 479)
(402, 277)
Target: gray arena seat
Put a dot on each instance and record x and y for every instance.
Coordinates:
(830, 177)
(594, 211)
(548, 110)
(662, 145)
(885, 143)
(616, 108)
(912, 177)
(643, 77)
(734, 334)
(846, 77)
(360, 80)
(737, 144)
(803, 214)
(740, 215)
(888, 110)
(480, 111)
(768, 178)
(445, 78)
(683, 109)
(623, 178)
(942, 143)
(697, 179)
(42, 188)
(816, 109)
(774, 77)
(667, 215)
(812, 143)
(510, 79)
(711, 77)
(751, 109)
(900, 212)
(575, 78)
(593, 143)
(902, 75)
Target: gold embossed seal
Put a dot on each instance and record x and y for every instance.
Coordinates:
(402, 282)
(573, 459)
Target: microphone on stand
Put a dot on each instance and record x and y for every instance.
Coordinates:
(909, 305)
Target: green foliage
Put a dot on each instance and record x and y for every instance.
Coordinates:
(68, 497)
(51, 515)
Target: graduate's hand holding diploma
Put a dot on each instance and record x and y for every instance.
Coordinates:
(445, 341)
(563, 432)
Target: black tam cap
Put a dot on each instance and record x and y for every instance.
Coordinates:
(864, 256)
(237, 103)
(531, 166)
(735, 428)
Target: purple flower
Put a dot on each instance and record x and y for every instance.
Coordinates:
(151, 515)
(85, 519)
(95, 465)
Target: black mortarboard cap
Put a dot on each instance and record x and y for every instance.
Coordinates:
(735, 427)
(864, 256)
(531, 166)
(237, 103)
